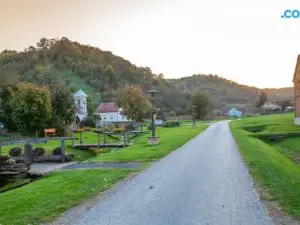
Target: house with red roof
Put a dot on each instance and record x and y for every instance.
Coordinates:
(110, 113)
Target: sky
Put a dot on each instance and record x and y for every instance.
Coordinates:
(245, 41)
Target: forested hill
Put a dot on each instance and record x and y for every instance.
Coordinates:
(99, 73)
(224, 91)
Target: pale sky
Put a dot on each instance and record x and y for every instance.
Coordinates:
(246, 41)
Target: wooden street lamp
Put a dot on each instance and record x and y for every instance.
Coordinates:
(152, 93)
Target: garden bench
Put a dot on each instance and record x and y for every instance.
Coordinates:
(50, 131)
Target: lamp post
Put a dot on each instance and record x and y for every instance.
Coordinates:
(194, 114)
(152, 93)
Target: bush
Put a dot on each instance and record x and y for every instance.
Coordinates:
(15, 152)
(89, 122)
(96, 151)
(118, 130)
(56, 151)
(38, 151)
(171, 124)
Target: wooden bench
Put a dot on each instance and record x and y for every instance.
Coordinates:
(50, 131)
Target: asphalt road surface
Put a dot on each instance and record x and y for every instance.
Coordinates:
(203, 183)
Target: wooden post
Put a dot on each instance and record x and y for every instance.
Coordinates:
(81, 138)
(73, 139)
(98, 139)
(62, 147)
(124, 139)
(104, 137)
(0, 148)
(28, 153)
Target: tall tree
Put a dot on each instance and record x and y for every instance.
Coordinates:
(31, 107)
(202, 103)
(132, 101)
(6, 94)
(62, 109)
(283, 104)
(109, 74)
(262, 98)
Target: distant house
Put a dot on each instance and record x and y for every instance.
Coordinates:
(234, 113)
(80, 99)
(110, 113)
(272, 106)
(296, 81)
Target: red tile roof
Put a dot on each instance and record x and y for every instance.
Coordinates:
(107, 107)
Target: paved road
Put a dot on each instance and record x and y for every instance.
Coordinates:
(203, 183)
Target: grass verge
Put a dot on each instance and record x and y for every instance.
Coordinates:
(170, 139)
(271, 169)
(45, 199)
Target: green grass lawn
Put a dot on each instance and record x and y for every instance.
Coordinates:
(272, 165)
(47, 197)
(170, 139)
(79, 155)
(270, 123)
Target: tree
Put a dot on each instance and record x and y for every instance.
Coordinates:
(109, 74)
(31, 107)
(202, 103)
(132, 101)
(283, 104)
(90, 106)
(262, 98)
(62, 109)
(6, 94)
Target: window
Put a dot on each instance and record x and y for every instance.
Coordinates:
(78, 101)
(111, 117)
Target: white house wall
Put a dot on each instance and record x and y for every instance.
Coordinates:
(112, 117)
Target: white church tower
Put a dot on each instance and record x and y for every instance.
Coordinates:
(80, 99)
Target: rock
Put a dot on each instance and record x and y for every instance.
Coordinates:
(52, 158)
(3, 158)
(15, 151)
(38, 151)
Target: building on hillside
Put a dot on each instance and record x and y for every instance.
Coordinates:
(271, 107)
(296, 81)
(110, 113)
(80, 99)
(234, 113)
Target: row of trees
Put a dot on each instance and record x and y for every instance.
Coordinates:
(28, 108)
(136, 105)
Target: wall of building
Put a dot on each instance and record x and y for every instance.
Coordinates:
(112, 117)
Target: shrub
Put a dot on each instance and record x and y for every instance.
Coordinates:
(89, 122)
(38, 151)
(56, 151)
(14, 152)
(96, 151)
(171, 124)
(118, 130)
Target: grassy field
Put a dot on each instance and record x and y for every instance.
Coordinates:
(79, 155)
(47, 197)
(170, 139)
(272, 165)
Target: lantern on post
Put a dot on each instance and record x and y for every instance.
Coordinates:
(152, 93)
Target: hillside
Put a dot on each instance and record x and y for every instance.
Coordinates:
(224, 91)
(99, 73)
